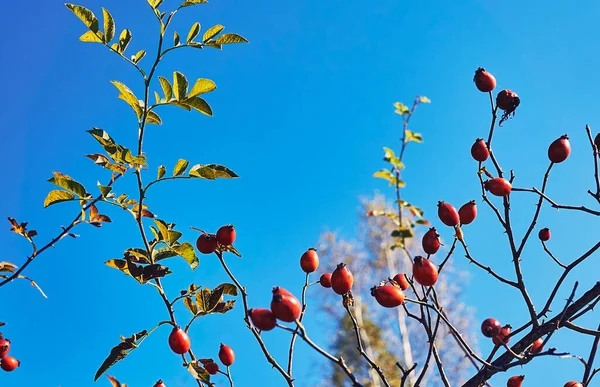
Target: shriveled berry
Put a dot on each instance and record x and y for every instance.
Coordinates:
(515, 381)
(484, 81)
(285, 306)
(508, 100)
(309, 261)
(498, 186)
(388, 296)
(468, 212)
(424, 271)
(479, 150)
(431, 241)
(325, 280)
(490, 327)
(401, 280)
(262, 319)
(560, 149)
(448, 214)
(206, 243)
(226, 355)
(226, 235)
(342, 279)
(179, 341)
(501, 336)
(212, 368)
(9, 363)
(544, 234)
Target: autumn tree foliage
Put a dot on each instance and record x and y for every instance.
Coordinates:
(400, 263)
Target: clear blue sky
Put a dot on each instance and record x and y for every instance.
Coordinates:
(301, 114)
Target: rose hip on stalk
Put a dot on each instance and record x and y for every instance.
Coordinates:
(479, 150)
(501, 336)
(431, 241)
(342, 279)
(498, 186)
(226, 235)
(325, 280)
(401, 280)
(206, 243)
(179, 341)
(468, 212)
(159, 384)
(544, 234)
(309, 261)
(560, 149)
(226, 355)
(515, 381)
(448, 214)
(424, 271)
(508, 101)
(285, 306)
(484, 81)
(388, 296)
(262, 319)
(490, 327)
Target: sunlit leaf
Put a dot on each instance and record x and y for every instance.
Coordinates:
(161, 172)
(85, 15)
(120, 351)
(401, 108)
(91, 37)
(167, 89)
(163, 252)
(230, 38)
(187, 252)
(124, 40)
(153, 118)
(194, 31)
(199, 104)
(424, 99)
(57, 196)
(68, 184)
(128, 96)
(202, 299)
(190, 305)
(412, 136)
(109, 26)
(212, 32)
(180, 86)
(212, 172)
(202, 86)
(162, 228)
(138, 57)
(196, 370)
(176, 38)
(7, 267)
(180, 167)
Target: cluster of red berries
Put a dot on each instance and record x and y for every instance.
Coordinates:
(492, 328)
(226, 356)
(209, 243)
(517, 381)
(506, 100)
(7, 363)
(284, 306)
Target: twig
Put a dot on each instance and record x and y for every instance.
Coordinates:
(595, 154)
(487, 268)
(552, 256)
(587, 375)
(293, 341)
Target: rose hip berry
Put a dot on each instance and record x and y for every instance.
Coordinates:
(468, 212)
(479, 150)
(498, 186)
(544, 234)
(179, 341)
(309, 261)
(262, 319)
(159, 384)
(285, 306)
(573, 384)
(388, 296)
(431, 241)
(490, 327)
(226, 235)
(424, 271)
(206, 243)
(401, 280)
(325, 280)
(342, 279)
(212, 368)
(508, 101)
(226, 355)
(560, 149)
(515, 381)
(484, 81)
(537, 345)
(4, 347)
(9, 363)
(501, 336)
(448, 214)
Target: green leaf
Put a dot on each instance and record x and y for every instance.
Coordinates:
(128, 96)
(167, 89)
(85, 15)
(162, 227)
(194, 31)
(104, 190)
(230, 38)
(424, 99)
(212, 32)
(163, 252)
(69, 184)
(202, 86)
(180, 85)
(412, 136)
(404, 232)
(120, 351)
(57, 196)
(124, 40)
(211, 43)
(212, 172)
(198, 104)
(186, 251)
(92, 37)
(174, 236)
(195, 369)
(176, 39)
(180, 167)
(401, 108)
(384, 174)
(138, 57)
(109, 26)
(161, 172)
(153, 118)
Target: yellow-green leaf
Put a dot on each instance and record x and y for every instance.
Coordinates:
(199, 104)
(180, 167)
(202, 86)
(212, 172)
(57, 196)
(401, 108)
(212, 32)
(109, 26)
(186, 251)
(230, 38)
(128, 96)
(194, 31)
(91, 37)
(124, 40)
(190, 305)
(162, 228)
(188, 3)
(166, 87)
(69, 184)
(180, 86)
(384, 174)
(161, 172)
(176, 38)
(153, 118)
(412, 136)
(85, 15)
(424, 99)
(138, 57)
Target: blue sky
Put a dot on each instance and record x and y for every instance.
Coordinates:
(301, 114)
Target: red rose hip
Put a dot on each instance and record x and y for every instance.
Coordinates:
(448, 214)
(573, 384)
(498, 186)
(515, 381)
(479, 150)
(9, 363)
(431, 241)
(262, 319)
(159, 384)
(560, 149)
(309, 261)
(285, 306)
(401, 280)
(226, 355)
(484, 81)
(342, 279)
(544, 234)
(179, 341)
(424, 271)
(490, 327)
(388, 296)
(4, 347)
(468, 212)
(226, 235)
(501, 336)
(206, 243)
(508, 101)
(325, 280)
(212, 368)
(537, 345)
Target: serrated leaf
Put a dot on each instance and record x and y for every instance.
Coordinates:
(230, 39)
(180, 86)
(212, 32)
(198, 104)
(216, 296)
(180, 167)
(57, 196)
(120, 351)
(109, 26)
(128, 96)
(139, 56)
(124, 40)
(85, 15)
(187, 252)
(202, 86)
(68, 184)
(195, 369)
(194, 31)
(91, 37)
(153, 118)
(412, 136)
(166, 87)
(212, 172)
(211, 43)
